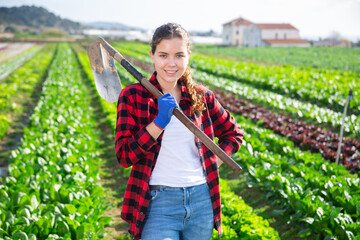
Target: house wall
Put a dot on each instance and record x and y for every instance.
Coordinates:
(252, 37)
(233, 35)
(227, 35)
(280, 34)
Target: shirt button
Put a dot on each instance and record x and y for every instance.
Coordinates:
(141, 213)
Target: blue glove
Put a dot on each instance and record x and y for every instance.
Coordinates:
(166, 104)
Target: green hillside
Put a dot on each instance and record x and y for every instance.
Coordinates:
(35, 17)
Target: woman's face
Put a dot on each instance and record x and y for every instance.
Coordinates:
(171, 58)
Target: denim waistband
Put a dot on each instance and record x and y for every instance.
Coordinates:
(162, 187)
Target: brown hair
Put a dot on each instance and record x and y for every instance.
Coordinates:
(174, 30)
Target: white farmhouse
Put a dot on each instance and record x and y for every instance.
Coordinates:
(241, 32)
(233, 31)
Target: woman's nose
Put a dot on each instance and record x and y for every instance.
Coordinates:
(171, 61)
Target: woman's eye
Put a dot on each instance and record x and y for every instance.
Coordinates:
(163, 56)
(180, 55)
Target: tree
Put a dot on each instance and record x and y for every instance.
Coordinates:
(357, 44)
(10, 29)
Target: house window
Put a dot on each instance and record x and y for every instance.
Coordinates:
(276, 35)
(284, 35)
(237, 32)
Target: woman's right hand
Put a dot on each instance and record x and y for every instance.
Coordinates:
(166, 104)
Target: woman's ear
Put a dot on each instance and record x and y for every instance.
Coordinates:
(151, 55)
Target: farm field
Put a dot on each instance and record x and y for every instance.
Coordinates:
(293, 107)
(260, 84)
(14, 55)
(143, 61)
(341, 59)
(63, 180)
(9, 50)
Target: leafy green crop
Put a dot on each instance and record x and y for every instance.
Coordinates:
(13, 63)
(341, 59)
(317, 192)
(22, 82)
(305, 84)
(239, 220)
(295, 107)
(51, 191)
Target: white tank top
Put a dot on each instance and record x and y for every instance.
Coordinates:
(178, 163)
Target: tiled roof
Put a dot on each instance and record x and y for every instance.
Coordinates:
(275, 26)
(238, 21)
(285, 41)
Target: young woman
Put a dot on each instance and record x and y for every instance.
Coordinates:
(173, 190)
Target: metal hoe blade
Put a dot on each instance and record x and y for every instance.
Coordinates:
(106, 78)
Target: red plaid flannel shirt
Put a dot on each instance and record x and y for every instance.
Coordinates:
(137, 148)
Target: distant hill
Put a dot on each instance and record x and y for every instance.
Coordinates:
(111, 26)
(35, 17)
(38, 17)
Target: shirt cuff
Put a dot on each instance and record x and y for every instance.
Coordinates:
(144, 139)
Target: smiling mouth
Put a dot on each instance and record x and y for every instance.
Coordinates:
(171, 71)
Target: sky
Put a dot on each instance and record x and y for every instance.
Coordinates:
(313, 18)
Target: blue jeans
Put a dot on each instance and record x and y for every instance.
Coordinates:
(179, 213)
